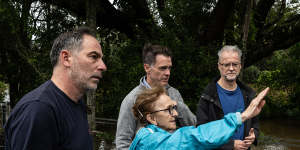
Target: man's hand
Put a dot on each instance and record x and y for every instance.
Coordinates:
(240, 145)
(250, 138)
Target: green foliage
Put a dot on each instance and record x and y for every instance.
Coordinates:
(251, 74)
(193, 67)
(188, 14)
(105, 136)
(269, 78)
(280, 72)
(124, 70)
(43, 29)
(3, 87)
(29, 28)
(103, 140)
(28, 35)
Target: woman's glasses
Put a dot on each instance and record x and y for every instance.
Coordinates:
(169, 109)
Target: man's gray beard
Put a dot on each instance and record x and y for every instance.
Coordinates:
(80, 83)
(231, 80)
(83, 86)
(86, 88)
(90, 91)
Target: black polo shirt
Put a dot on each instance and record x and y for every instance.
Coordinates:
(47, 119)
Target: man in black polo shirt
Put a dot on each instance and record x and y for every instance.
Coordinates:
(53, 116)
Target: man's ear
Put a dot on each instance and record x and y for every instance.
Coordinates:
(64, 57)
(219, 67)
(151, 119)
(147, 68)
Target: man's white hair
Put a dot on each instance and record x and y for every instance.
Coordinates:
(232, 48)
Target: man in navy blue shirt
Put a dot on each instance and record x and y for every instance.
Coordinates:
(53, 116)
(226, 94)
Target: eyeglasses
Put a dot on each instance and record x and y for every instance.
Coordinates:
(227, 65)
(170, 110)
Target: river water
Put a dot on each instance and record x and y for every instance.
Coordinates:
(277, 134)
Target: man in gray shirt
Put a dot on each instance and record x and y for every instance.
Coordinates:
(157, 65)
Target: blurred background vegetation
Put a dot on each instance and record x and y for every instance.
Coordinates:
(268, 32)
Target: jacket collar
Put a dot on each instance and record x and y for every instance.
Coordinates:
(145, 131)
(143, 82)
(210, 92)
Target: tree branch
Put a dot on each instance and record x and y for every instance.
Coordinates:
(143, 18)
(279, 16)
(215, 29)
(281, 37)
(261, 12)
(167, 20)
(107, 15)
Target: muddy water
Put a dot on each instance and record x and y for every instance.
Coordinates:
(279, 134)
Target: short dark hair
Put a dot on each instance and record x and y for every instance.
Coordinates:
(71, 41)
(150, 51)
(144, 102)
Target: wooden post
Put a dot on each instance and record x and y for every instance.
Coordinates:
(92, 110)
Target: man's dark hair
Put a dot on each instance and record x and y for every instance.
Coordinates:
(71, 41)
(151, 51)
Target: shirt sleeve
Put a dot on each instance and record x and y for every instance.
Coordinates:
(202, 118)
(127, 124)
(207, 136)
(185, 115)
(32, 127)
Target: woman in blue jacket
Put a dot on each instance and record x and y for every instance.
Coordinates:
(157, 112)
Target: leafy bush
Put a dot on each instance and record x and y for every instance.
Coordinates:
(251, 74)
(281, 73)
(3, 87)
(269, 78)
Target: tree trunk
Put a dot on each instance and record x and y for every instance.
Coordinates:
(91, 12)
(246, 31)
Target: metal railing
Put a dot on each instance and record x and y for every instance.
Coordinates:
(105, 121)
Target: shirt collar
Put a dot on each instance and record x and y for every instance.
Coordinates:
(146, 83)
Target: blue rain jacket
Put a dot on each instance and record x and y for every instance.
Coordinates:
(207, 136)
